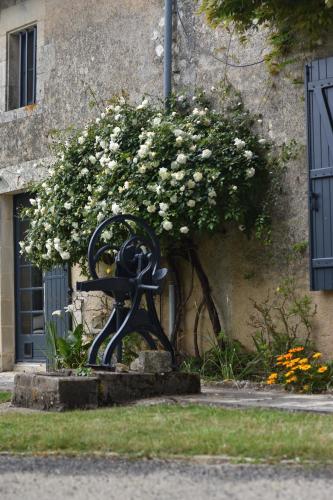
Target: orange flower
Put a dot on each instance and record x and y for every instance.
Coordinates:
(304, 360)
(316, 355)
(289, 374)
(296, 349)
(291, 379)
(322, 369)
(280, 358)
(272, 379)
(304, 368)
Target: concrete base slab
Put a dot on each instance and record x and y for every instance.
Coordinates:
(59, 392)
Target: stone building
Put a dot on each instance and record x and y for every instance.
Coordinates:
(53, 54)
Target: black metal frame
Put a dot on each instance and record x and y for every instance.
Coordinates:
(137, 275)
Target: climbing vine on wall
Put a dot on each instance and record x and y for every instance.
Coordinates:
(296, 25)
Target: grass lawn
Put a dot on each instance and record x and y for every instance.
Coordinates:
(169, 431)
(5, 396)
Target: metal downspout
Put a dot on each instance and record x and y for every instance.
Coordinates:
(167, 89)
(167, 75)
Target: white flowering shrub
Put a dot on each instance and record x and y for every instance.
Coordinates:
(185, 172)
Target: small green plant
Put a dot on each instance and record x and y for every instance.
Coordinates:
(282, 321)
(232, 361)
(70, 351)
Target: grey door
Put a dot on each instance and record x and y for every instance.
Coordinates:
(37, 295)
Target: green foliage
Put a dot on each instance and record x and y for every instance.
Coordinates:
(185, 172)
(232, 361)
(132, 345)
(297, 25)
(70, 351)
(282, 321)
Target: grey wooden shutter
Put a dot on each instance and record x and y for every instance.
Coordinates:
(57, 293)
(319, 92)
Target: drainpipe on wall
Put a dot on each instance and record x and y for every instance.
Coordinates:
(167, 75)
(167, 88)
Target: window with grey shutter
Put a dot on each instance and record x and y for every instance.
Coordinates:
(319, 103)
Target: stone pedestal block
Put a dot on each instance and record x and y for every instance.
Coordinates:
(54, 392)
(58, 392)
(153, 362)
(122, 387)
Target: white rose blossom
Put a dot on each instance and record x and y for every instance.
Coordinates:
(65, 255)
(143, 151)
(197, 176)
(167, 225)
(115, 209)
(164, 173)
(181, 159)
(248, 154)
(206, 154)
(114, 146)
(184, 230)
(112, 164)
(179, 176)
(239, 143)
(250, 172)
(191, 203)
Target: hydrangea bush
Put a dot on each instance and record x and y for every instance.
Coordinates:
(185, 172)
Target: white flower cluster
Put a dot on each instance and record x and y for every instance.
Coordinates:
(179, 171)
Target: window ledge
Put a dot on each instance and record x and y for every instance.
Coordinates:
(20, 113)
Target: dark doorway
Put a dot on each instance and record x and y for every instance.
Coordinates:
(37, 295)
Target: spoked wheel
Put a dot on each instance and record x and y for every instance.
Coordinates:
(127, 240)
(131, 245)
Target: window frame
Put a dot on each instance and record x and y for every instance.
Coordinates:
(20, 68)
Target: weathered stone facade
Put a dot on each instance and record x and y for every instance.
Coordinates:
(108, 46)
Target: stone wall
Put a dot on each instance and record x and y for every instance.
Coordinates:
(99, 47)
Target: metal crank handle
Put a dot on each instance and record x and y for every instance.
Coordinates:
(154, 288)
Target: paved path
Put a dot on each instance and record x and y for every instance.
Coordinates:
(247, 398)
(7, 381)
(85, 479)
(230, 396)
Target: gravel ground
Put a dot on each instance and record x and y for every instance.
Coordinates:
(89, 478)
